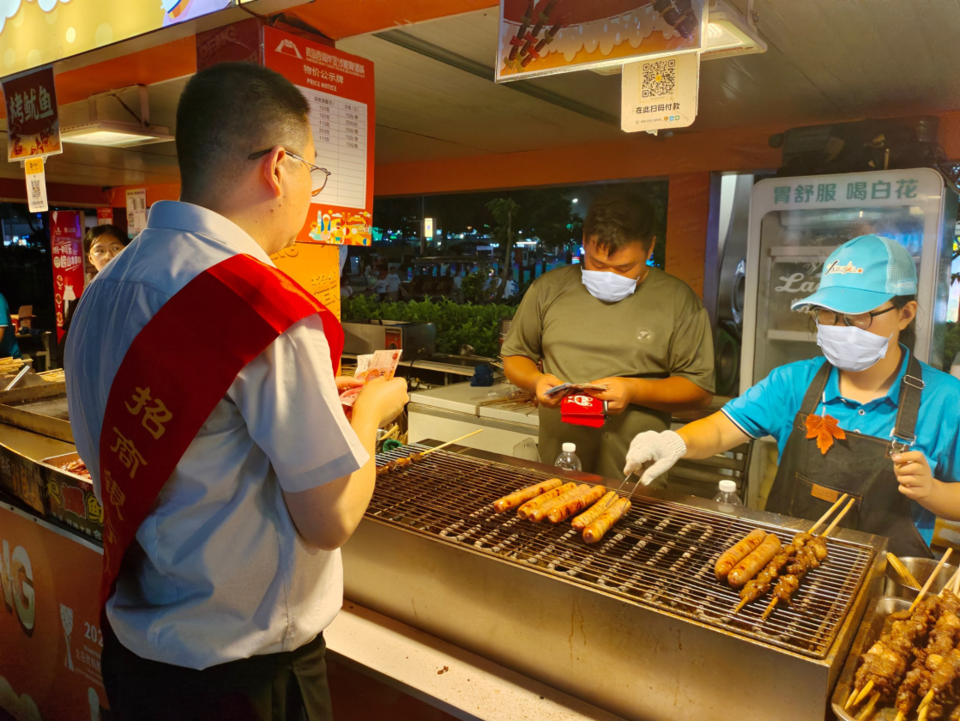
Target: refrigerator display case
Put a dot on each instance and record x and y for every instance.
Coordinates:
(795, 223)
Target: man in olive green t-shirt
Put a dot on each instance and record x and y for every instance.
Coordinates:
(613, 321)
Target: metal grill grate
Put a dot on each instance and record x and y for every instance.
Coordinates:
(661, 555)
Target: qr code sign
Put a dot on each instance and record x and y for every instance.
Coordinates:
(658, 78)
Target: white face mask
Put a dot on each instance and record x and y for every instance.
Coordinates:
(849, 348)
(608, 287)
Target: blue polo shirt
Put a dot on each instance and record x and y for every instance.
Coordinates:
(770, 407)
(8, 344)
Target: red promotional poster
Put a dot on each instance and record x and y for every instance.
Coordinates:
(49, 622)
(339, 88)
(66, 242)
(34, 125)
(104, 216)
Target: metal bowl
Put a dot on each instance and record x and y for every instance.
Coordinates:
(921, 568)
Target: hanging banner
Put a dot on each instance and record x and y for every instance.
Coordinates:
(544, 37)
(32, 120)
(104, 216)
(36, 185)
(339, 88)
(49, 622)
(136, 211)
(661, 93)
(66, 243)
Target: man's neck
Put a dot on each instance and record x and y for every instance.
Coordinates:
(240, 216)
(874, 382)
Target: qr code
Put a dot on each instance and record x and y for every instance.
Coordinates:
(659, 78)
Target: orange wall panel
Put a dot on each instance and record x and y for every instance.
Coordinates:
(688, 209)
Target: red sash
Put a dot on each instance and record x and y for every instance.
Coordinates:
(177, 369)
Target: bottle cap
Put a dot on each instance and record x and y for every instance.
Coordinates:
(728, 487)
(569, 447)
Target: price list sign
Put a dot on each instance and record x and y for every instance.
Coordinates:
(339, 90)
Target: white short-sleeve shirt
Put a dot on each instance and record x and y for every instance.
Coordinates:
(221, 572)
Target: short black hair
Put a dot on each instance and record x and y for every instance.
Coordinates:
(230, 111)
(106, 229)
(617, 218)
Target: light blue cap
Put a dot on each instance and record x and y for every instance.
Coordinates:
(863, 274)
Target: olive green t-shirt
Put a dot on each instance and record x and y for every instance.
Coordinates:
(662, 330)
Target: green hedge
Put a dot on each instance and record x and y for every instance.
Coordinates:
(476, 325)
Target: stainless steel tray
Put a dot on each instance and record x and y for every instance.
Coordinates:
(870, 630)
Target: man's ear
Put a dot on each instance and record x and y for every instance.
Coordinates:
(273, 171)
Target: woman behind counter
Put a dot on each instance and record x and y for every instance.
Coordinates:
(871, 420)
(101, 244)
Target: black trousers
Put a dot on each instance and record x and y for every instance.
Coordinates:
(288, 686)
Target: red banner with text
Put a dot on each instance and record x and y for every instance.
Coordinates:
(50, 640)
(339, 89)
(66, 243)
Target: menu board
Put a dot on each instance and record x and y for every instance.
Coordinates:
(339, 89)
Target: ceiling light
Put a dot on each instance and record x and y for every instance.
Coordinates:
(729, 34)
(113, 134)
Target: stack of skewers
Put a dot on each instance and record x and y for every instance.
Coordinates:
(10, 366)
(760, 564)
(918, 658)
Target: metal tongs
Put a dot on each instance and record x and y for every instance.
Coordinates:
(23, 371)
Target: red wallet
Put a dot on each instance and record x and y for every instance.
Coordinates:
(583, 410)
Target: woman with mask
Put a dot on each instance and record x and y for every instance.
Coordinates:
(617, 322)
(869, 419)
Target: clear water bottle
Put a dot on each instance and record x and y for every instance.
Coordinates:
(568, 459)
(728, 494)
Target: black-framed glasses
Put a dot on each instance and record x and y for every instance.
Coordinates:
(824, 316)
(317, 174)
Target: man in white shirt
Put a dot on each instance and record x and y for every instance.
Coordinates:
(393, 284)
(221, 602)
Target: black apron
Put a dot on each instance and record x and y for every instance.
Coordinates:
(808, 482)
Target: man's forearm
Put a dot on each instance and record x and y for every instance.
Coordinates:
(521, 371)
(669, 394)
(943, 501)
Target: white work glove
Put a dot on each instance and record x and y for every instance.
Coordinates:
(663, 449)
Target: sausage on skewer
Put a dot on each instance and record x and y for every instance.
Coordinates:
(518, 498)
(530, 506)
(596, 530)
(591, 515)
(738, 552)
(751, 565)
(542, 511)
(575, 505)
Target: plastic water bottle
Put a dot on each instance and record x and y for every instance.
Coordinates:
(568, 459)
(728, 494)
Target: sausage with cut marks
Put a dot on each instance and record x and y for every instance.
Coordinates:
(596, 530)
(575, 505)
(591, 515)
(738, 552)
(530, 506)
(543, 511)
(518, 498)
(754, 563)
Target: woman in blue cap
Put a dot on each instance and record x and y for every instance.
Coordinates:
(871, 420)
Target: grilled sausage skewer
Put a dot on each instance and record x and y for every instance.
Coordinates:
(530, 506)
(596, 530)
(590, 515)
(576, 504)
(518, 498)
(732, 556)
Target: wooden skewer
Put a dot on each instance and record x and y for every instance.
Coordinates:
(926, 700)
(902, 570)
(839, 518)
(850, 698)
(868, 709)
(900, 716)
(739, 608)
(865, 691)
(826, 515)
(951, 583)
(769, 609)
(450, 443)
(956, 582)
(926, 586)
(923, 714)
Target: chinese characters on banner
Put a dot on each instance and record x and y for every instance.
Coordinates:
(661, 93)
(869, 189)
(104, 216)
(66, 242)
(33, 124)
(339, 89)
(544, 37)
(49, 622)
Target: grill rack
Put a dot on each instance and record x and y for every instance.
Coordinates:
(665, 551)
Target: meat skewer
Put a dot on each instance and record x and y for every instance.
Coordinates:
(596, 530)
(518, 498)
(563, 511)
(543, 510)
(590, 515)
(530, 506)
(414, 457)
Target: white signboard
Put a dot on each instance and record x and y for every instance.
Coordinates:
(136, 211)
(660, 94)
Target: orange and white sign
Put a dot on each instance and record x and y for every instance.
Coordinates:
(32, 118)
(339, 88)
(49, 622)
